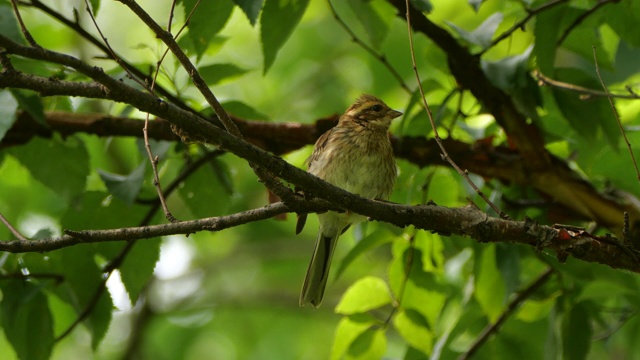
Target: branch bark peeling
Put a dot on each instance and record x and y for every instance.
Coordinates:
(463, 221)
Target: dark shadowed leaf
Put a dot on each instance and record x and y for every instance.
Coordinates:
(125, 187)
(251, 8)
(279, 18)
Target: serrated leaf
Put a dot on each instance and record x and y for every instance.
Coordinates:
(26, 319)
(366, 294)
(8, 107)
(125, 187)
(30, 102)
(431, 248)
(62, 166)
(371, 344)
(483, 34)
(137, 268)
(82, 282)
(216, 73)
(348, 329)
(207, 20)
(414, 331)
(489, 286)
(205, 194)
(370, 241)
(375, 22)
(279, 18)
(9, 24)
(576, 332)
(251, 8)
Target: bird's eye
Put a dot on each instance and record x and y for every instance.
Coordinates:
(376, 108)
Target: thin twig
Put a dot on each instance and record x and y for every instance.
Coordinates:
(545, 80)
(511, 307)
(615, 114)
(520, 24)
(380, 57)
(113, 53)
(152, 159)
(445, 154)
(13, 230)
(25, 32)
(581, 18)
(116, 262)
(265, 177)
(75, 26)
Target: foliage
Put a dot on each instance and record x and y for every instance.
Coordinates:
(493, 73)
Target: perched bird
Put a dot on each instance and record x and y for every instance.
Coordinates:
(355, 155)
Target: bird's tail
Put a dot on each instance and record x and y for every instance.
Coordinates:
(318, 271)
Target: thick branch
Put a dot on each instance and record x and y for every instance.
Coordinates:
(465, 221)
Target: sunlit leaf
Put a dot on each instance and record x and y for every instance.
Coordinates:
(366, 294)
(414, 330)
(371, 344)
(348, 329)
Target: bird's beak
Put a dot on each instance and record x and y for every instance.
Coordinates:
(394, 114)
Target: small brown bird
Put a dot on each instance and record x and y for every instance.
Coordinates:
(355, 155)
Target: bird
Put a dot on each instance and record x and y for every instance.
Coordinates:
(355, 155)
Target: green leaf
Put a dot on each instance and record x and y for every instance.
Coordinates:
(240, 109)
(624, 17)
(62, 166)
(27, 320)
(95, 6)
(489, 286)
(9, 24)
(216, 73)
(586, 117)
(373, 240)
(431, 248)
(30, 102)
(137, 268)
(207, 20)
(204, 192)
(279, 18)
(546, 36)
(375, 19)
(125, 188)
(508, 261)
(415, 330)
(483, 34)
(576, 332)
(371, 344)
(366, 294)
(348, 329)
(8, 107)
(251, 8)
(422, 5)
(82, 282)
